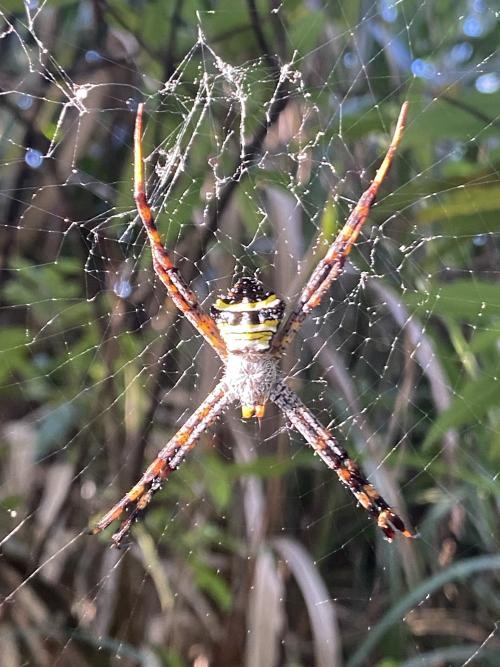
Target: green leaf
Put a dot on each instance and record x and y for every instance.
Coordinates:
(429, 123)
(469, 300)
(486, 340)
(471, 404)
(458, 655)
(271, 466)
(155, 567)
(217, 482)
(55, 426)
(459, 202)
(214, 584)
(396, 614)
(14, 353)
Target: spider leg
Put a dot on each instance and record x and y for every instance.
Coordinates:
(336, 457)
(167, 460)
(179, 291)
(331, 266)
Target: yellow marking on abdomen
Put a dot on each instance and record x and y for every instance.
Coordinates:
(242, 306)
(267, 325)
(249, 335)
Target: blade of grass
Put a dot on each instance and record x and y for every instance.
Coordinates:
(322, 616)
(459, 570)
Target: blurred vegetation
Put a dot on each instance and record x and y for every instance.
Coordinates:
(252, 554)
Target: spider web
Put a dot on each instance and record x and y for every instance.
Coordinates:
(263, 128)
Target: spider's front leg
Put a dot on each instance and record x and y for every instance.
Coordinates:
(331, 266)
(338, 459)
(168, 460)
(180, 293)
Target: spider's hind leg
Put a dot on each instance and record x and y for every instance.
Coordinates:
(136, 500)
(336, 457)
(168, 460)
(365, 493)
(135, 514)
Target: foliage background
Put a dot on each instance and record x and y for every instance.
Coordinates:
(250, 556)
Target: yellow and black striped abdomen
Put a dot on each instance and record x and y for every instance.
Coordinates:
(248, 316)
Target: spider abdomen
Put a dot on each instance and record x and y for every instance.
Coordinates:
(248, 317)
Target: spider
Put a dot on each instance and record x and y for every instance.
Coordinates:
(247, 330)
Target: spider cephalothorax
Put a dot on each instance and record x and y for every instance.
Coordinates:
(246, 330)
(248, 317)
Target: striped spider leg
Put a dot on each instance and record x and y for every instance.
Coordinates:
(336, 457)
(180, 293)
(331, 266)
(168, 459)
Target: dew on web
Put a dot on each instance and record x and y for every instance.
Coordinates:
(262, 127)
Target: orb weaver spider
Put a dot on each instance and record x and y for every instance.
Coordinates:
(246, 329)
